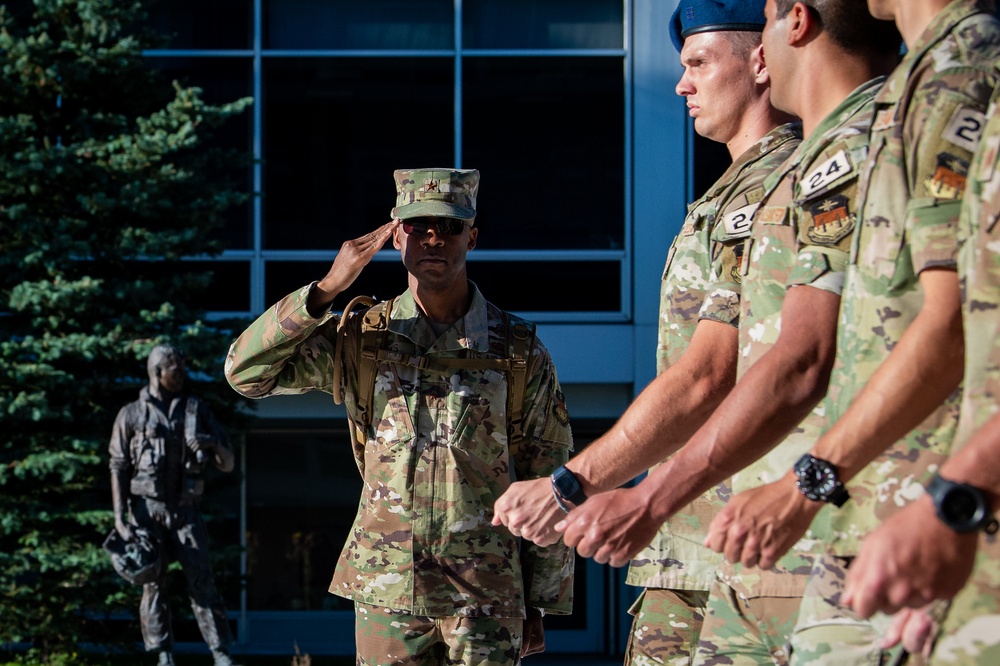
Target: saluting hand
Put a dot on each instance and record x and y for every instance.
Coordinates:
(352, 258)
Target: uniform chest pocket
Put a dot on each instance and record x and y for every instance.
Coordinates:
(682, 240)
(879, 240)
(394, 397)
(474, 420)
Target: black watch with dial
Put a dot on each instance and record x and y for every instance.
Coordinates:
(961, 507)
(567, 486)
(817, 480)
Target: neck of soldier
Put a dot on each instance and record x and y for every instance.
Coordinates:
(912, 18)
(442, 303)
(827, 76)
(758, 120)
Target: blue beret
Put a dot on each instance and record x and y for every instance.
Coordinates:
(693, 16)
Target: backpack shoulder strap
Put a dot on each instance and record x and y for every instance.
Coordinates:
(374, 327)
(520, 340)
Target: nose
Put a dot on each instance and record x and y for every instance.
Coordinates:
(431, 237)
(684, 87)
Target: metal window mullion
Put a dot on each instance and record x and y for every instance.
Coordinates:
(257, 266)
(627, 264)
(458, 84)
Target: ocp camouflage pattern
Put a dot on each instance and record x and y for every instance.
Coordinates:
(971, 632)
(437, 457)
(701, 280)
(801, 237)
(928, 121)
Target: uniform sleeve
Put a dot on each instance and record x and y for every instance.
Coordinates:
(547, 443)
(285, 351)
(826, 216)
(118, 447)
(733, 227)
(942, 139)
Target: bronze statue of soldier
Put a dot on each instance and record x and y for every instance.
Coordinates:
(161, 445)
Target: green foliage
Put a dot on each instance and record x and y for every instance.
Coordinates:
(106, 184)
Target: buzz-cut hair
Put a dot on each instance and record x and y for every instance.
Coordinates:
(850, 25)
(742, 42)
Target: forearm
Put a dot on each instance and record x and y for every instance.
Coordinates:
(770, 400)
(923, 369)
(665, 414)
(978, 462)
(268, 356)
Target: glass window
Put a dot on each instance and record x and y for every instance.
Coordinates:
(380, 279)
(228, 287)
(358, 24)
(711, 159)
(547, 134)
(223, 80)
(335, 130)
(195, 24)
(542, 24)
(302, 495)
(550, 286)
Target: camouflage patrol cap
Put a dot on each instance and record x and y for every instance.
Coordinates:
(694, 16)
(436, 193)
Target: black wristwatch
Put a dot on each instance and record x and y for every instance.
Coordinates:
(817, 480)
(961, 507)
(566, 488)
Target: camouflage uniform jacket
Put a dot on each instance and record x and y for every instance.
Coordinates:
(435, 460)
(801, 237)
(979, 271)
(928, 121)
(701, 280)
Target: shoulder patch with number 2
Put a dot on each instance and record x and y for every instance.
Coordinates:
(965, 128)
(739, 223)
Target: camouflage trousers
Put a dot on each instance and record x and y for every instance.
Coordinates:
(744, 629)
(827, 634)
(666, 626)
(391, 637)
(971, 631)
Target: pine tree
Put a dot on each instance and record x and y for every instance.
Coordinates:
(105, 185)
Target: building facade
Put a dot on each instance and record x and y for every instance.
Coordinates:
(567, 108)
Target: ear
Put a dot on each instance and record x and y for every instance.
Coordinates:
(760, 74)
(473, 234)
(396, 233)
(801, 23)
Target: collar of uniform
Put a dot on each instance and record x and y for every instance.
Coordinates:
(942, 25)
(771, 141)
(470, 332)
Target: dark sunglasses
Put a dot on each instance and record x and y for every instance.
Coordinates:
(445, 226)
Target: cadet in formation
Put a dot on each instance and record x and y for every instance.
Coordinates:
(827, 61)
(927, 551)
(727, 88)
(449, 397)
(893, 398)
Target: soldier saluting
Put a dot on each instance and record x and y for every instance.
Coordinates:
(448, 397)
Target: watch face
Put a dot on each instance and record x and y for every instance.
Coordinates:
(961, 508)
(817, 479)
